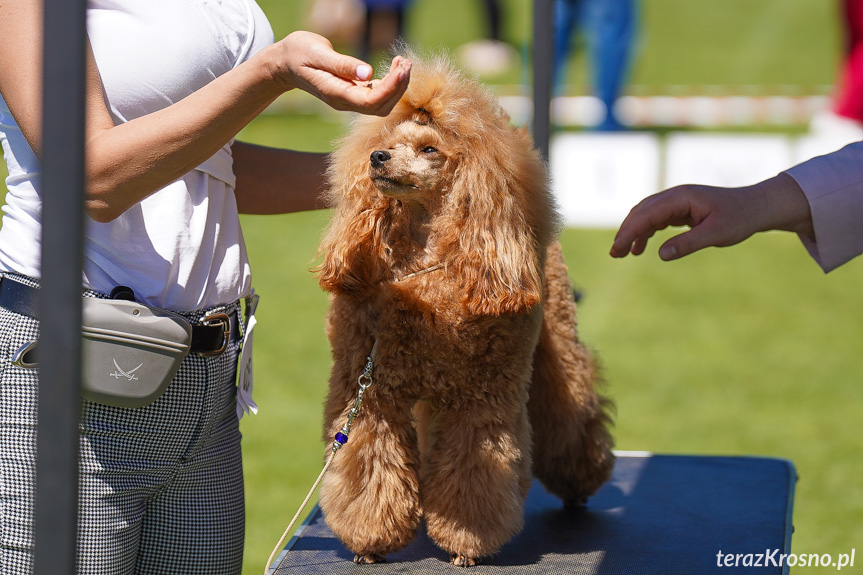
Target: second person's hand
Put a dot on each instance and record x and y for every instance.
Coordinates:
(716, 216)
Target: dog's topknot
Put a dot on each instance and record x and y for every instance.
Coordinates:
(458, 103)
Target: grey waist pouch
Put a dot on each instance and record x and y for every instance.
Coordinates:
(131, 352)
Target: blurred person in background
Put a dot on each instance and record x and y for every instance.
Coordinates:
(169, 85)
(609, 28)
(821, 200)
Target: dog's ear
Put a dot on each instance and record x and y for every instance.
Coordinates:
(493, 248)
(352, 247)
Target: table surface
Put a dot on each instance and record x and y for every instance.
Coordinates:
(658, 514)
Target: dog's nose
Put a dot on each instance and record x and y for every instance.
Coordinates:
(379, 157)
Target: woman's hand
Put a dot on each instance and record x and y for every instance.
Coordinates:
(308, 61)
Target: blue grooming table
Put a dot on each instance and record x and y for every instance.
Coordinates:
(658, 515)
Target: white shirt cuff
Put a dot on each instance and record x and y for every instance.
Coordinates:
(833, 185)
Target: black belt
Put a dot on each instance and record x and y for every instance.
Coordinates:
(209, 337)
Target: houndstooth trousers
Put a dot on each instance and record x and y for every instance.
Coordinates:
(161, 486)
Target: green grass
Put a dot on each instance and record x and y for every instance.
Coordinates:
(737, 42)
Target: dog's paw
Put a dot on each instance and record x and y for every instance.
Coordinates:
(369, 558)
(460, 560)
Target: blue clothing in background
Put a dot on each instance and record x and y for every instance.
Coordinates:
(609, 27)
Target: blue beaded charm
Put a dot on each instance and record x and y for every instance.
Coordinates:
(341, 438)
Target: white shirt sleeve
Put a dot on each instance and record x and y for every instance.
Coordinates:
(833, 185)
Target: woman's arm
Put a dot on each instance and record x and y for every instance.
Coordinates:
(275, 181)
(128, 162)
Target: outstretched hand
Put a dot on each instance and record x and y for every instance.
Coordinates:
(716, 217)
(341, 81)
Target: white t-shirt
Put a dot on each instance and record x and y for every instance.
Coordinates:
(180, 248)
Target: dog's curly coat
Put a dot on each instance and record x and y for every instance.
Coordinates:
(442, 250)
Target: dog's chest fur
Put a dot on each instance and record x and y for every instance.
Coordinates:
(404, 316)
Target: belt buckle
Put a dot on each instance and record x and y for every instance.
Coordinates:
(213, 320)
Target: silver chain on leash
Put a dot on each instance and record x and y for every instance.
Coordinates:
(365, 381)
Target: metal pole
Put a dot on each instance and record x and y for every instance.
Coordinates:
(543, 61)
(55, 515)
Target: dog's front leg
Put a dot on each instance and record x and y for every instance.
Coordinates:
(370, 495)
(476, 477)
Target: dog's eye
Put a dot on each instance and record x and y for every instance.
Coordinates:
(429, 150)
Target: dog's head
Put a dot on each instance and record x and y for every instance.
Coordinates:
(414, 164)
(445, 174)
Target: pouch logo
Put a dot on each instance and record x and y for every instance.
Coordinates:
(130, 375)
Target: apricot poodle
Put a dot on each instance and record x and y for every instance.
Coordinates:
(442, 255)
